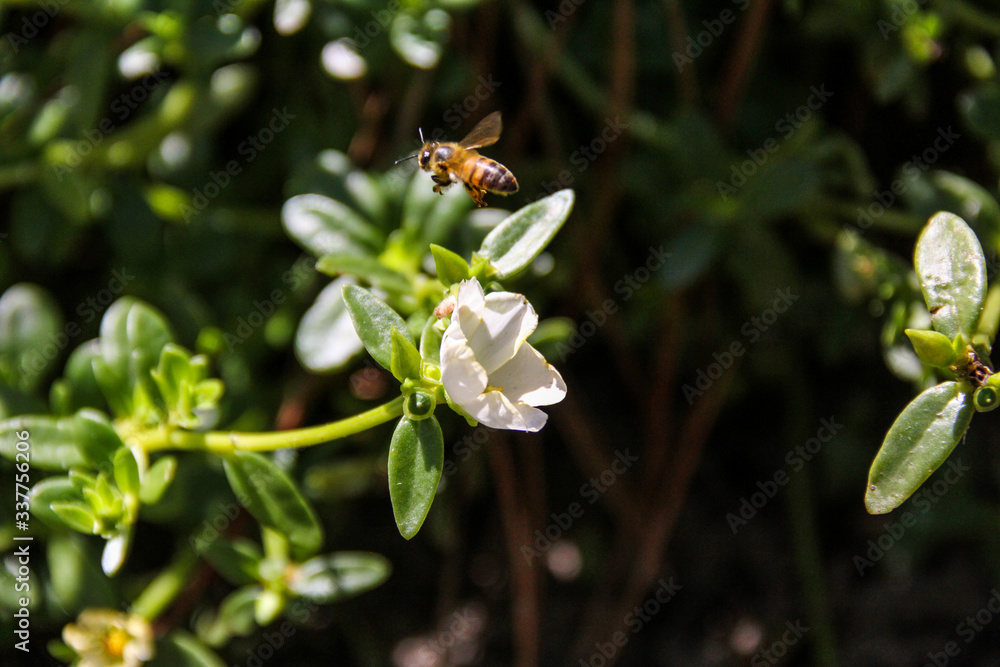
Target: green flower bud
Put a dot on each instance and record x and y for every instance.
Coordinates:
(419, 405)
(986, 398)
(933, 348)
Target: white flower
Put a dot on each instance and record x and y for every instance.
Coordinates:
(487, 367)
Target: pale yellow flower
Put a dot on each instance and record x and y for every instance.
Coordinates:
(110, 638)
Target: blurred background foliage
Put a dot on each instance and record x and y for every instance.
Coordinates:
(192, 153)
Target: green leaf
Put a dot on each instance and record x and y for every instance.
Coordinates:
(366, 267)
(172, 369)
(374, 322)
(31, 328)
(451, 267)
(952, 271)
(326, 339)
(97, 438)
(919, 441)
(78, 378)
(56, 443)
(405, 357)
(322, 226)
(416, 458)
(986, 331)
(515, 242)
(933, 348)
(126, 471)
(179, 649)
(157, 480)
(430, 340)
(76, 516)
(238, 562)
(274, 500)
(337, 576)
(49, 491)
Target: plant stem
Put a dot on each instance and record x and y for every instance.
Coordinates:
(164, 588)
(226, 442)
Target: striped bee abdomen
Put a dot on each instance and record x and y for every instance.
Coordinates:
(489, 175)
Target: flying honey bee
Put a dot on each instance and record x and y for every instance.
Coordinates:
(450, 162)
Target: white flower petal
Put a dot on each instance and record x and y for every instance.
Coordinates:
(530, 379)
(497, 411)
(507, 320)
(470, 295)
(463, 377)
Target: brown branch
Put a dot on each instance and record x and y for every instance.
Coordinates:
(678, 35)
(741, 64)
(525, 578)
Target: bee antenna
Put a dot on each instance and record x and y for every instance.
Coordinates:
(404, 159)
(420, 131)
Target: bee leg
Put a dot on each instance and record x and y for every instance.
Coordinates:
(441, 183)
(476, 194)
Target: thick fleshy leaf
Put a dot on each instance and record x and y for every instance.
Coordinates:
(322, 226)
(326, 339)
(919, 441)
(274, 500)
(366, 267)
(337, 576)
(157, 480)
(451, 268)
(59, 490)
(416, 458)
(430, 340)
(126, 471)
(933, 348)
(238, 562)
(83, 440)
(373, 321)
(405, 358)
(31, 335)
(515, 242)
(952, 271)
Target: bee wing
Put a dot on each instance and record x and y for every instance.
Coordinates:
(485, 133)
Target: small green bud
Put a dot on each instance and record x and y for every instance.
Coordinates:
(933, 348)
(986, 398)
(419, 405)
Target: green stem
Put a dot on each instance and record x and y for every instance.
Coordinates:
(226, 442)
(165, 587)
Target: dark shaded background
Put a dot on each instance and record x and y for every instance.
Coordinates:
(566, 72)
